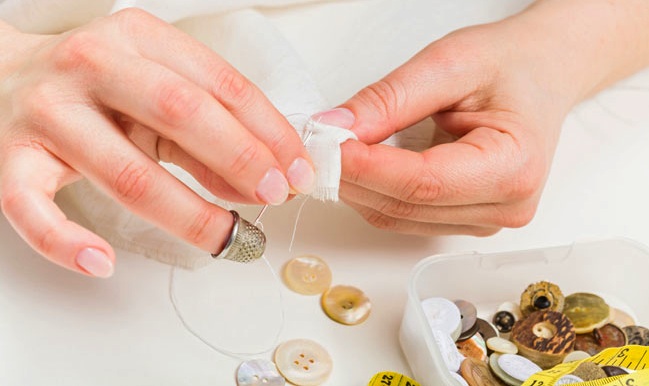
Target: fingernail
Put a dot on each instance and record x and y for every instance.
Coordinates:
(340, 117)
(301, 176)
(95, 262)
(273, 188)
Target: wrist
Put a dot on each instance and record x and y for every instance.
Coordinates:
(579, 47)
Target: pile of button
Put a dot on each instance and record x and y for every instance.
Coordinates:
(304, 362)
(545, 329)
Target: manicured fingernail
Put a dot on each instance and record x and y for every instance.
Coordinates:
(340, 117)
(95, 262)
(273, 188)
(301, 176)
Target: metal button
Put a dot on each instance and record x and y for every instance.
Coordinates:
(303, 362)
(259, 372)
(468, 315)
(307, 275)
(345, 304)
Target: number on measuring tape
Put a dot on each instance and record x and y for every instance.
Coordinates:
(388, 378)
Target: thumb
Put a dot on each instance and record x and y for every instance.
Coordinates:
(424, 85)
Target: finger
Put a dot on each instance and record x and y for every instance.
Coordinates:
(419, 88)
(184, 113)
(484, 166)
(382, 221)
(191, 59)
(116, 165)
(29, 180)
(488, 215)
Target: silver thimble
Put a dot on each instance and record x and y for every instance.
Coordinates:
(246, 243)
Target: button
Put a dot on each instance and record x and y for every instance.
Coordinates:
(469, 333)
(502, 375)
(502, 346)
(468, 315)
(457, 377)
(475, 347)
(443, 315)
(513, 308)
(303, 362)
(259, 372)
(586, 311)
(600, 339)
(517, 367)
(576, 355)
(476, 373)
(450, 354)
(568, 379)
(637, 335)
(613, 371)
(542, 296)
(504, 321)
(621, 318)
(345, 304)
(544, 337)
(486, 329)
(307, 275)
(589, 371)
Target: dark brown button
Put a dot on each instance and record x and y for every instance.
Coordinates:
(613, 371)
(600, 339)
(486, 329)
(504, 321)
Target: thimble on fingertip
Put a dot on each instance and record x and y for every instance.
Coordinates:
(246, 243)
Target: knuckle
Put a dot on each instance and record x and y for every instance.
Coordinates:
(176, 104)
(384, 97)
(380, 220)
(199, 230)
(133, 21)
(421, 190)
(234, 89)
(11, 200)
(46, 240)
(397, 208)
(79, 51)
(132, 183)
(245, 156)
(41, 105)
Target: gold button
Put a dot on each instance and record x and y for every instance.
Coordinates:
(307, 275)
(303, 362)
(345, 304)
(586, 311)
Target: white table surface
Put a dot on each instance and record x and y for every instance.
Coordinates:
(59, 328)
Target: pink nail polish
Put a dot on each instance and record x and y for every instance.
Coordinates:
(340, 117)
(301, 176)
(273, 188)
(95, 262)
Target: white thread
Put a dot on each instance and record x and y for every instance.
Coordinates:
(220, 350)
(297, 220)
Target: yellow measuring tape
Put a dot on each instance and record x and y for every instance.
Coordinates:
(388, 378)
(634, 358)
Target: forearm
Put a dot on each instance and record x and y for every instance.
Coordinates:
(585, 44)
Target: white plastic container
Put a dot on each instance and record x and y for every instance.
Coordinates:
(617, 270)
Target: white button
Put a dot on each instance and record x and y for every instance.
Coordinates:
(259, 372)
(443, 315)
(568, 379)
(450, 354)
(307, 275)
(576, 356)
(303, 362)
(518, 367)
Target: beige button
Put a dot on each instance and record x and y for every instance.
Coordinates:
(303, 362)
(307, 275)
(345, 304)
(502, 346)
(576, 355)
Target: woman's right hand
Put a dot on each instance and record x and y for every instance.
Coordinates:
(108, 101)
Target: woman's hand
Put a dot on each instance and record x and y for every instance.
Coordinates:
(503, 90)
(107, 102)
